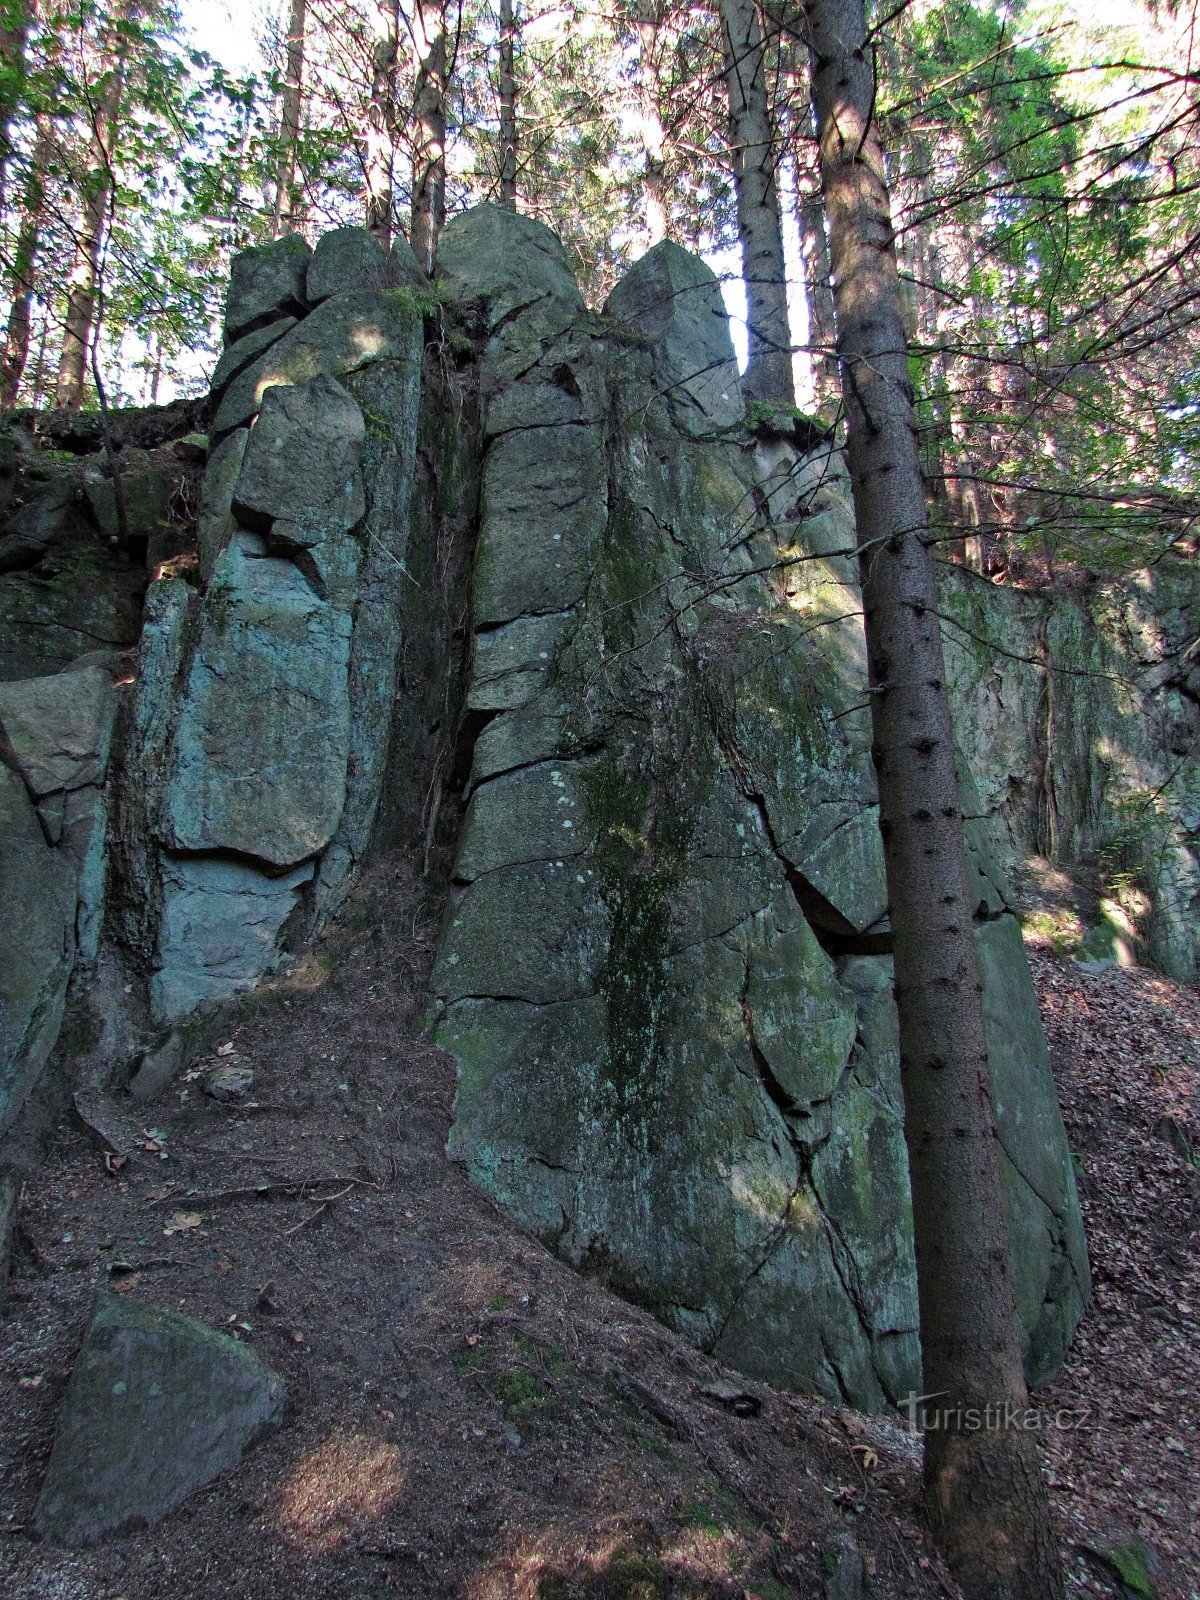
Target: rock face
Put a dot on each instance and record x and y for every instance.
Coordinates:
(58, 734)
(541, 593)
(262, 718)
(158, 1405)
(661, 970)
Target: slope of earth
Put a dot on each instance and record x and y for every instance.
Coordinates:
(466, 1415)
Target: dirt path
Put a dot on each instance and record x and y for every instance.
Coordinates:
(467, 1416)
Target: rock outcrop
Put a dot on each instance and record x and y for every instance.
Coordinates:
(256, 765)
(663, 967)
(535, 592)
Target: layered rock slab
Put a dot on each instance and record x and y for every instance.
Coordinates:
(678, 1057)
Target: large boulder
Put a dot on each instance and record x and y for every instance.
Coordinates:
(60, 728)
(266, 283)
(301, 477)
(352, 258)
(344, 334)
(673, 299)
(157, 1406)
(258, 758)
(508, 263)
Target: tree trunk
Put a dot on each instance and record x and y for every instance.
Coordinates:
(752, 149)
(818, 289)
(654, 180)
(429, 152)
(506, 89)
(12, 54)
(81, 287)
(987, 1499)
(16, 342)
(379, 142)
(288, 210)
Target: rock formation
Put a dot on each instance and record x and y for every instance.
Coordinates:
(476, 565)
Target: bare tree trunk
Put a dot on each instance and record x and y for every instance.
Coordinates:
(506, 90)
(12, 54)
(648, 20)
(752, 148)
(81, 286)
(429, 153)
(987, 1498)
(16, 342)
(39, 369)
(818, 287)
(379, 143)
(288, 215)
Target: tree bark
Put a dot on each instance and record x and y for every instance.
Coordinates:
(506, 91)
(429, 151)
(12, 53)
(379, 141)
(648, 20)
(752, 150)
(818, 288)
(16, 341)
(987, 1498)
(288, 210)
(81, 287)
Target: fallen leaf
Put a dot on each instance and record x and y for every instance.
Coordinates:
(183, 1221)
(225, 1049)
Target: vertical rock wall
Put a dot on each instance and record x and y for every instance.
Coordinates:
(663, 968)
(262, 720)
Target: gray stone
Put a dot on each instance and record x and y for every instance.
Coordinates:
(846, 1575)
(511, 263)
(539, 814)
(301, 477)
(544, 509)
(214, 521)
(157, 1066)
(348, 258)
(84, 842)
(219, 931)
(261, 737)
(388, 393)
(191, 447)
(237, 356)
(49, 518)
(344, 334)
(81, 596)
(673, 300)
(661, 1068)
(801, 1020)
(158, 1405)
(145, 493)
(512, 662)
(171, 618)
(37, 948)
(60, 728)
(265, 283)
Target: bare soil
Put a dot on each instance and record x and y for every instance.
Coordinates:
(467, 1416)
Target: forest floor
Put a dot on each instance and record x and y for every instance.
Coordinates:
(468, 1417)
